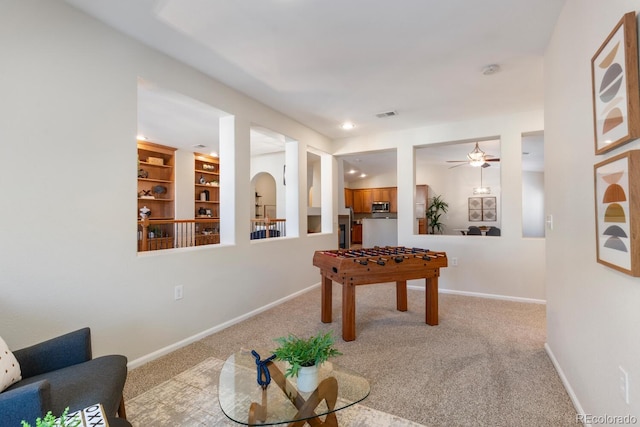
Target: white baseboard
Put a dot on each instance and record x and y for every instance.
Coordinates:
(175, 346)
(482, 295)
(565, 382)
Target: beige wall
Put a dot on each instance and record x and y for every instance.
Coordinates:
(592, 310)
(509, 266)
(68, 128)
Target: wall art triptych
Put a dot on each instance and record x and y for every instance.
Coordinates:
(616, 116)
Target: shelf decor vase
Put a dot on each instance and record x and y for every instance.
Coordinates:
(308, 378)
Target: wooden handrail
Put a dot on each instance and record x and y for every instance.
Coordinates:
(177, 221)
(146, 223)
(275, 227)
(268, 220)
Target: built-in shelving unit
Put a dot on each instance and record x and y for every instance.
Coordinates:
(207, 199)
(207, 186)
(156, 180)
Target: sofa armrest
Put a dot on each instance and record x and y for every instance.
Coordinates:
(26, 402)
(56, 353)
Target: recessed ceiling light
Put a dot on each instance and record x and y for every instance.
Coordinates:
(352, 171)
(363, 175)
(347, 126)
(141, 137)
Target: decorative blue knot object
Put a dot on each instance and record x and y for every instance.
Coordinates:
(264, 377)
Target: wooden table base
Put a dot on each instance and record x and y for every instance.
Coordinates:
(327, 390)
(349, 303)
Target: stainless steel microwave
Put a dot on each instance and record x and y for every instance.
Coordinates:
(380, 207)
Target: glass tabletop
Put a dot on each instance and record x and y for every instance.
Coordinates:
(282, 402)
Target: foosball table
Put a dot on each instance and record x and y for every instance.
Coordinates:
(366, 266)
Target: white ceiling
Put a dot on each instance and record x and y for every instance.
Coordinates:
(382, 162)
(325, 62)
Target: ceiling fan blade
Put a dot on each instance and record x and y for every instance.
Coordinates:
(492, 160)
(457, 161)
(485, 165)
(455, 166)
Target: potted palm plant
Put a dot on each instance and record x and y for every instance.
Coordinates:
(304, 356)
(437, 207)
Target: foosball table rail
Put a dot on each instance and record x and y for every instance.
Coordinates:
(379, 264)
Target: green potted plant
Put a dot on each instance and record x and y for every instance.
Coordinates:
(50, 420)
(437, 207)
(304, 356)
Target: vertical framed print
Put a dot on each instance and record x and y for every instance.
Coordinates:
(489, 209)
(475, 209)
(617, 198)
(614, 77)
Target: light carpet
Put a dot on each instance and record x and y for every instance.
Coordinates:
(190, 399)
(483, 365)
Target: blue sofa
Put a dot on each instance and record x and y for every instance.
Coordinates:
(61, 373)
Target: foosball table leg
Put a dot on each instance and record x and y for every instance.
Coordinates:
(431, 301)
(327, 297)
(401, 295)
(348, 312)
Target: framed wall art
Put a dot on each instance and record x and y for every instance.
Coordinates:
(614, 77)
(489, 212)
(475, 209)
(482, 209)
(617, 197)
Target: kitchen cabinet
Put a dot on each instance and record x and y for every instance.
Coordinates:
(381, 194)
(393, 199)
(356, 233)
(348, 198)
(362, 199)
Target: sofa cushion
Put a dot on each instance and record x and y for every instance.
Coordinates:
(82, 385)
(9, 367)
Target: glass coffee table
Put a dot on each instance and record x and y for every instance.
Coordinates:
(245, 402)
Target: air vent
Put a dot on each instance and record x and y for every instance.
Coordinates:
(199, 146)
(386, 114)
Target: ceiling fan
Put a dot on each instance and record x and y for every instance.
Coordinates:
(476, 158)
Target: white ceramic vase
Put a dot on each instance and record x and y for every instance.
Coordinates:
(308, 378)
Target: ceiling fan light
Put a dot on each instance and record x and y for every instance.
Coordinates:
(476, 157)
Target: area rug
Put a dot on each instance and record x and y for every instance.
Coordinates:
(191, 399)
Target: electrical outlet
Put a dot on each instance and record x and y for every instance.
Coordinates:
(454, 261)
(177, 292)
(624, 384)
